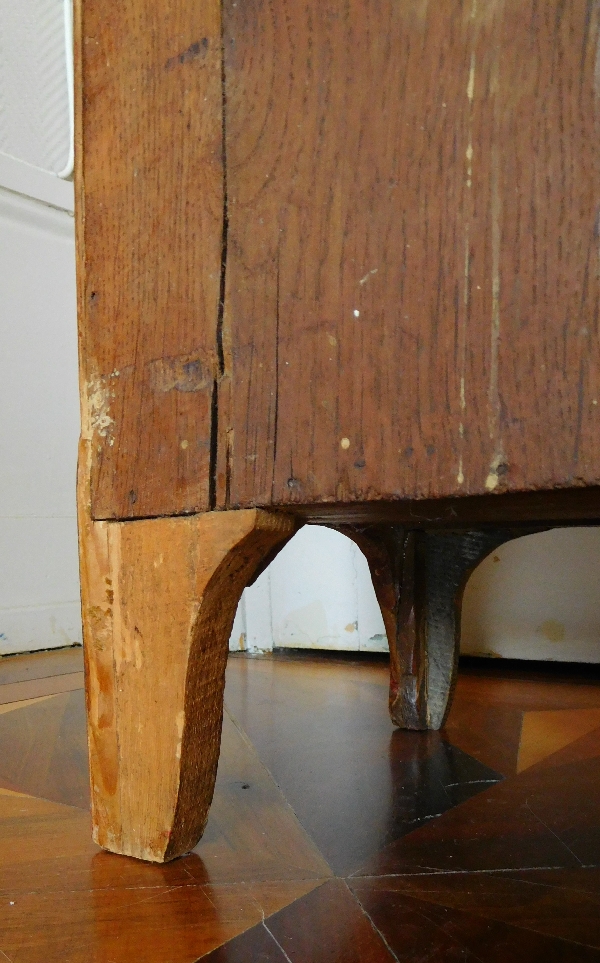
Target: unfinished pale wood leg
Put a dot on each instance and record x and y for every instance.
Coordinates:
(419, 579)
(159, 597)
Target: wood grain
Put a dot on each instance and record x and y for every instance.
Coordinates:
(398, 203)
(321, 714)
(158, 598)
(422, 929)
(537, 901)
(63, 901)
(330, 927)
(149, 228)
(44, 665)
(550, 808)
(43, 750)
(34, 688)
(412, 274)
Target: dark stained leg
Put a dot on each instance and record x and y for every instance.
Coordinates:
(419, 578)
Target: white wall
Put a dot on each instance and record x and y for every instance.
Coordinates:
(535, 598)
(36, 83)
(39, 591)
(317, 594)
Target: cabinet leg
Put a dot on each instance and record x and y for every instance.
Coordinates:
(159, 597)
(419, 578)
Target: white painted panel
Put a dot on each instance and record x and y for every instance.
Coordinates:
(39, 405)
(346, 614)
(40, 627)
(39, 426)
(252, 629)
(39, 586)
(537, 598)
(237, 640)
(313, 592)
(35, 92)
(37, 566)
(371, 630)
(258, 613)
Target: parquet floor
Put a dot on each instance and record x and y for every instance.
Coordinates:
(333, 838)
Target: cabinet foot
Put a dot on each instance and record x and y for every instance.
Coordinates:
(419, 578)
(159, 597)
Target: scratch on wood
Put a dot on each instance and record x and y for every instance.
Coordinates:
(220, 374)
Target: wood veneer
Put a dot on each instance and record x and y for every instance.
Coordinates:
(257, 883)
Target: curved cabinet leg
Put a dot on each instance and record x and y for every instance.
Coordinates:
(159, 597)
(419, 578)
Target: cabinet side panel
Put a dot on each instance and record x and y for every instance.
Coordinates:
(412, 286)
(149, 220)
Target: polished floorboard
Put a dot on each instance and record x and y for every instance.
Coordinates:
(333, 837)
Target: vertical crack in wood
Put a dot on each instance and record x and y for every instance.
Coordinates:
(214, 427)
(225, 233)
(214, 442)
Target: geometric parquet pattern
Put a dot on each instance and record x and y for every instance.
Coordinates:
(333, 837)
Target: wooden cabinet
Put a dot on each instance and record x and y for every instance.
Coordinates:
(340, 262)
